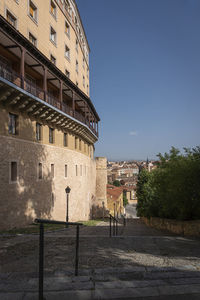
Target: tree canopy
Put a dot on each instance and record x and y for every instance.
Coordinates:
(173, 189)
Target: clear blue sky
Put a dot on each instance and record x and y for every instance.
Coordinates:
(145, 74)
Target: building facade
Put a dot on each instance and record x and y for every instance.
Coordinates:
(48, 123)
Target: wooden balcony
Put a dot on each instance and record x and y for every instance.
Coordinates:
(40, 84)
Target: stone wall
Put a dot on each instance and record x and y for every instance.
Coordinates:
(187, 228)
(100, 204)
(30, 197)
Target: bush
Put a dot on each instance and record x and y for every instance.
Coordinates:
(173, 189)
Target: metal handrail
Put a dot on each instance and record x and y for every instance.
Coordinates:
(41, 250)
(124, 220)
(115, 226)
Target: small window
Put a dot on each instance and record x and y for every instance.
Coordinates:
(13, 169)
(38, 132)
(87, 89)
(79, 144)
(51, 135)
(67, 29)
(76, 66)
(67, 52)
(81, 170)
(32, 39)
(12, 126)
(32, 11)
(11, 19)
(52, 35)
(67, 73)
(65, 171)
(76, 142)
(87, 72)
(84, 81)
(76, 83)
(65, 139)
(53, 9)
(83, 63)
(53, 59)
(76, 170)
(40, 171)
(52, 170)
(76, 45)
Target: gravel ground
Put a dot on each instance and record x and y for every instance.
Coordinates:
(137, 245)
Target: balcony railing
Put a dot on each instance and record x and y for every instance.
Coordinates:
(9, 74)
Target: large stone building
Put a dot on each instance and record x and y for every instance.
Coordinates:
(48, 124)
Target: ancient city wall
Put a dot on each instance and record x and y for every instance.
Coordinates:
(30, 197)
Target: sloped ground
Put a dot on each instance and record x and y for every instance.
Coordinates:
(140, 262)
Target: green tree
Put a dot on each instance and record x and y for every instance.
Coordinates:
(116, 183)
(172, 190)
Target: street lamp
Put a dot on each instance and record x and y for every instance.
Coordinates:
(67, 190)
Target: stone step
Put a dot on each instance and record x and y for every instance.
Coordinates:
(111, 283)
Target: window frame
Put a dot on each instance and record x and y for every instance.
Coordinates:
(54, 15)
(67, 32)
(34, 18)
(65, 139)
(54, 42)
(52, 135)
(67, 50)
(10, 124)
(52, 56)
(10, 171)
(34, 38)
(40, 132)
(7, 11)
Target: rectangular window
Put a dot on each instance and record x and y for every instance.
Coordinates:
(67, 29)
(40, 171)
(38, 132)
(76, 170)
(76, 142)
(65, 171)
(53, 59)
(32, 39)
(52, 170)
(13, 171)
(67, 52)
(83, 63)
(51, 135)
(79, 144)
(76, 45)
(53, 9)
(11, 19)
(76, 66)
(52, 35)
(67, 73)
(12, 125)
(84, 81)
(32, 11)
(81, 170)
(65, 139)
(87, 89)
(76, 83)
(87, 72)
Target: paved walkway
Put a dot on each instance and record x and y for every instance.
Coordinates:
(140, 262)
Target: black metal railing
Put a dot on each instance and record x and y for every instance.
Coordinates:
(113, 226)
(124, 220)
(41, 250)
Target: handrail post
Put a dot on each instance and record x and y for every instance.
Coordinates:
(110, 226)
(116, 227)
(113, 227)
(77, 250)
(41, 261)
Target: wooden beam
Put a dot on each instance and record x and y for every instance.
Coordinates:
(34, 66)
(11, 46)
